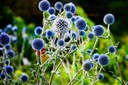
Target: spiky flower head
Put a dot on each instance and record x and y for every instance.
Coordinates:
(4, 39)
(88, 65)
(24, 78)
(43, 5)
(37, 44)
(61, 25)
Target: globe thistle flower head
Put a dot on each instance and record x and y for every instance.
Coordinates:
(82, 33)
(49, 33)
(111, 49)
(77, 17)
(24, 78)
(38, 30)
(8, 28)
(88, 51)
(109, 19)
(100, 76)
(88, 65)
(1, 31)
(7, 61)
(37, 44)
(7, 47)
(14, 39)
(10, 53)
(58, 5)
(9, 69)
(80, 24)
(25, 30)
(1, 52)
(14, 28)
(73, 19)
(96, 56)
(90, 35)
(98, 30)
(4, 39)
(51, 11)
(52, 17)
(60, 42)
(61, 25)
(73, 34)
(103, 60)
(69, 14)
(73, 8)
(67, 7)
(74, 47)
(2, 75)
(44, 5)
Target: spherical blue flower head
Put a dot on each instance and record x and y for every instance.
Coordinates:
(51, 11)
(74, 35)
(38, 30)
(88, 51)
(111, 49)
(100, 76)
(98, 30)
(60, 42)
(88, 65)
(4, 39)
(10, 53)
(14, 39)
(38, 44)
(109, 19)
(103, 60)
(82, 33)
(9, 69)
(25, 30)
(7, 46)
(67, 7)
(58, 5)
(1, 52)
(44, 5)
(49, 33)
(90, 35)
(73, 8)
(74, 47)
(69, 15)
(61, 25)
(24, 78)
(14, 28)
(80, 24)
(2, 76)
(73, 19)
(8, 28)
(1, 31)
(52, 17)
(6, 61)
(96, 56)
(77, 17)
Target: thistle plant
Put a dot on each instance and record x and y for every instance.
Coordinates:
(6, 55)
(61, 49)
(62, 36)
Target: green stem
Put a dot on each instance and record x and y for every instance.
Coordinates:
(94, 46)
(74, 77)
(119, 70)
(95, 78)
(50, 82)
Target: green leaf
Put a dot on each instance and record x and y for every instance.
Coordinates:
(43, 80)
(46, 65)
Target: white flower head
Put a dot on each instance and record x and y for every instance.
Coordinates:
(61, 25)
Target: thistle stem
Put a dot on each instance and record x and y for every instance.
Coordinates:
(74, 77)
